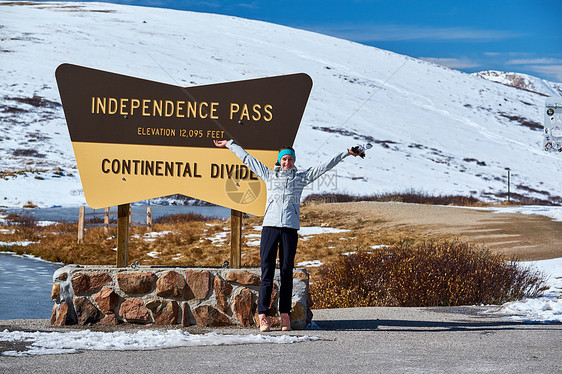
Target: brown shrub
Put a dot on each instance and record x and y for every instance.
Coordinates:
(21, 220)
(445, 273)
(403, 197)
(181, 218)
(23, 152)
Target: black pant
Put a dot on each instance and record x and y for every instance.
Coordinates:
(286, 239)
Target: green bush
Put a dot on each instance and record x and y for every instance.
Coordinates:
(446, 273)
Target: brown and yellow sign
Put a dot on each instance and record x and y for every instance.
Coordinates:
(136, 139)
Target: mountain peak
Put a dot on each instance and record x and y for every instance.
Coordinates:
(522, 81)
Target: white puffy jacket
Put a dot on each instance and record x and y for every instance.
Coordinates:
(284, 187)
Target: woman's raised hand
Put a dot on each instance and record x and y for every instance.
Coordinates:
(220, 143)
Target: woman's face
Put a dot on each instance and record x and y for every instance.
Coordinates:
(287, 162)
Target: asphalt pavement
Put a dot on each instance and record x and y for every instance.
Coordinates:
(366, 340)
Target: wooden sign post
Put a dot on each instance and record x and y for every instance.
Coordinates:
(123, 235)
(81, 222)
(235, 239)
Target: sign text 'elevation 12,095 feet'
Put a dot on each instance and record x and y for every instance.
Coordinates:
(136, 139)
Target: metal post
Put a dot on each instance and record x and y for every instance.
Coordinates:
(508, 185)
(123, 235)
(235, 239)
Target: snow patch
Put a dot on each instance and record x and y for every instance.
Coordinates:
(23, 243)
(152, 236)
(547, 308)
(311, 264)
(44, 343)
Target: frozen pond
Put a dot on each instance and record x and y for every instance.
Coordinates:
(25, 287)
(70, 214)
(25, 282)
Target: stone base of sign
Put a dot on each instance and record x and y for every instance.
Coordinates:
(168, 295)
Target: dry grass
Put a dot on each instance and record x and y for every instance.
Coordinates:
(416, 197)
(192, 240)
(7, 174)
(183, 241)
(403, 197)
(197, 241)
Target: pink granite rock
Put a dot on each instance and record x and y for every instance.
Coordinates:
(107, 300)
(164, 312)
(109, 320)
(136, 283)
(84, 284)
(60, 314)
(223, 290)
(86, 312)
(185, 311)
(134, 310)
(198, 284)
(207, 316)
(171, 285)
(55, 291)
(242, 307)
(243, 277)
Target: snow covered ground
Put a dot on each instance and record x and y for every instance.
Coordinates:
(547, 308)
(433, 129)
(20, 243)
(43, 343)
(554, 212)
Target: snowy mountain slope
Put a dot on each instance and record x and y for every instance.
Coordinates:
(434, 129)
(522, 81)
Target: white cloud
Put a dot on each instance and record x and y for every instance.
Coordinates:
(526, 61)
(554, 71)
(370, 33)
(454, 63)
(551, 67)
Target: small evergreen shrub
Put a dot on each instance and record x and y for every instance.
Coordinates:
(447, 273)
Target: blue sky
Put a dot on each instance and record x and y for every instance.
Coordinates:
(469, 35)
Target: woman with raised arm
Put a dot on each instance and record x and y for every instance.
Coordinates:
(281, 222)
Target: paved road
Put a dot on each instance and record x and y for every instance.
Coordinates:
(371, 340)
